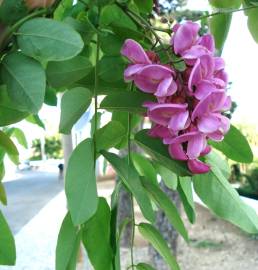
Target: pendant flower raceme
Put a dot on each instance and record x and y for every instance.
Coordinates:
(189, 105)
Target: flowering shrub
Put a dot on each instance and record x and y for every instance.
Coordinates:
(190, 104)
(49, 46)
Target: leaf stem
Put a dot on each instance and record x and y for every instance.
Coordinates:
(229, 11)
(145, 24)
(96, 97)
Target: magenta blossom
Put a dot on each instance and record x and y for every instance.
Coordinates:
(172, 116)
(148, 76)
(195, 144)
(208, 117)
(201, 78)
(185, 36)
(187, 42)
(189, 104)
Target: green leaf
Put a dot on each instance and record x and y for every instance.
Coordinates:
(26, 81)
(49, 40)
(144, 266)
(65, 73)
(3, 197)
(132, 181)
(122, 117)
(2, 168)
(80, 183)
(186, 195)
(154, 237)
(66, 243)
(34, 119)
(110, 44)
(125, 32)
(170, 210)
(96, 237)
(159, 152)
(83, 26)
(215, 159)
(219, 27)
(126, 101)
(111, 68)
(9, 147)
(103, 2)
(235, 146)
(73, 104)
(144, 167)
(227, 4)
(8, 111)
(109, 135)
(50, 97)
(217, 193)
(144, 6)
(12, 10)
(253, 23)
(19, 135)
(7, 244)
(168, 177)
(62, 8)
(113, 13)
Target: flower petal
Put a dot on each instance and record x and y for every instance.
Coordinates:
(208, 42)
(131, 70)
(163, 87)
(209, 123)
(134, 52)
(184, 37)
(178, 121)
(214, 102)
(176, 151)
(198, 167)
(195, 146)
(203, 89)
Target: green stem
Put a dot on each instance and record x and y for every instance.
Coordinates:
(133, 232)
(12, 29)
(131, 266)
(9, 31)
(131, 195)
(229, 11)
(145, 24)
(96, 96)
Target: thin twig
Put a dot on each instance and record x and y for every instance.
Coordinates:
(229, 11)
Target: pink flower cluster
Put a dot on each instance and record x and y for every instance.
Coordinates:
(189, 105)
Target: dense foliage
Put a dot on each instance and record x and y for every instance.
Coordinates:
(57, 46)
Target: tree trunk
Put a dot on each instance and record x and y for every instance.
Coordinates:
(166, 229)
(124, 210)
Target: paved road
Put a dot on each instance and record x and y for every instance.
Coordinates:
(27, 195)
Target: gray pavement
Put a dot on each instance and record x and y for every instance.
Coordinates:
(28, 195)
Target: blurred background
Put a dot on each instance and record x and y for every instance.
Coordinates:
(36, 201)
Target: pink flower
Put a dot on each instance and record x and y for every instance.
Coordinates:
(190, 104)
(147, 76)
(187, 42)
(135, 53)
(159, 131)
(185, 36)
(156, 79)
(208, 115)
(201, 78)
(172, 116)
(189, 147)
